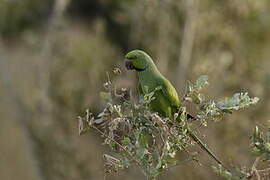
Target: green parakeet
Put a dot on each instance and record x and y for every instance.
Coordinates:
(166, 101)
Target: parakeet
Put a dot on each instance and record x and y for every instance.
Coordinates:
(166, 101)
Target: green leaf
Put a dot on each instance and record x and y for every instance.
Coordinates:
(125, 163)
(126, 141)
(142, 139)
(201, 82)
(151, 173)
(140, 153)
(237, 102)
(224, 173)
(196, 98)
(99, 120)
(83, 126)
(267, 146)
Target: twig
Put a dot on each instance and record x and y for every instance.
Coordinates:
(263, 126)
(254, 169)
(179, 163)
(264, 170)
(138, 163)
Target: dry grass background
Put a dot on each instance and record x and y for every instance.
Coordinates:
(53, 59)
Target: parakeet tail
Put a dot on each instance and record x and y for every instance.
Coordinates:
(205, 148)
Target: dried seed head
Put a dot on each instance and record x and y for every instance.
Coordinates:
(117, 71)
(175, 116)
(107, 85)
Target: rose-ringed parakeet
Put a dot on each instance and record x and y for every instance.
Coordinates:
(166, 101)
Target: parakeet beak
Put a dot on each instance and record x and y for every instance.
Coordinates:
(129, 65)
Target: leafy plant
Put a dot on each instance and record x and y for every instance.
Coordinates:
(136, 135)
(260, 144)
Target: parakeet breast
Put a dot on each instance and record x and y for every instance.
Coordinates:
(160, 103)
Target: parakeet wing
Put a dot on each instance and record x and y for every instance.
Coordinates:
(170, 93)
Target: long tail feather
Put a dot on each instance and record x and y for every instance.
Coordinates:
(205, 148)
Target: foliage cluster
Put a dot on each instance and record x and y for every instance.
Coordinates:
(260, 144)
(136, 135)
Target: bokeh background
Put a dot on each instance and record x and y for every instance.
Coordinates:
(53, 59)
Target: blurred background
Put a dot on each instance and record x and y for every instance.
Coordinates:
(53, 59)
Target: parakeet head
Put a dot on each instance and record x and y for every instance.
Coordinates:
(138, 60)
